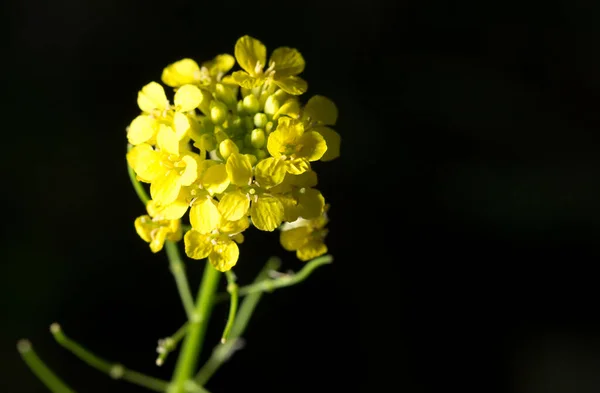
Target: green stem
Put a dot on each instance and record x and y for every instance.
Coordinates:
(192, 345)
(232, 288)
(286, 280)
(114, 370)
(37, 366)
(178, 269)
(168, 344)
(137, 186)
(222, 352)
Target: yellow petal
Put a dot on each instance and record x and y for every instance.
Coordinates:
(312, 146)
(312, 249)
(204, 215)
(151, 97)
(159, 235)
(311, 203)
(270, 172)
(181, 125)
(320, 109)
(288, 61)
(239, 169)
(293, 85)
(145, 161)
(172, 211)
(291, 211)
(224, 255)
(143, 227)
(215, 179)
(333, 141)
(297, 166)
(197, 245)
(250, 54)
(220, 64)
(266, 213)
(233, 227)
(190, 173)
(141, 129)
(294, 238)
(187, 98)
(306, 179)
(275, 144)
(165, 187)
(246, 81)
(234, 205)
(291, 108)
(167, 140)
(181, 73)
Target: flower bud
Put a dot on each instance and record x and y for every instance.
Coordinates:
(227, 147)
(271, 105)
(257, 138)
(225, 94)
(218, 112)
(251, 104)
(260, 120)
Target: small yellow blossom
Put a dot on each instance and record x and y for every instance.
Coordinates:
(306, 237)
(250, 194)
(319, 113)
(156, 232)
(167, 173)
(291, 143)
(219, 246)
(284, 66)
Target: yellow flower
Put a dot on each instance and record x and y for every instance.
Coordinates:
(306, 237)
(289, 142)
(219, 245)
(319, 113)
(251, 195)
(166, 173)
(156, 232)
(298, 196)
(187, 71)
(284, 66)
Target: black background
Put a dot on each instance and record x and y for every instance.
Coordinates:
(464, 207)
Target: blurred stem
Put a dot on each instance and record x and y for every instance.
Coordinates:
(222, 352)
(232, 288)
(114, 370)
(170, 343)
(286, 280)
(37, 366)
(192, 345)
(137, 186)
(178, 269)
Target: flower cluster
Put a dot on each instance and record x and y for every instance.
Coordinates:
(235, 150)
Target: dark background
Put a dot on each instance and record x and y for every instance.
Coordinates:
(464, 209)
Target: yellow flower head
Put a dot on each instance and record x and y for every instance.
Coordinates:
(233, 150)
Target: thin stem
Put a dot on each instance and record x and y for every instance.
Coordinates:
(37, 366)
(192, 345)
(222, 352)
(286, 280)
(137, 186)
(232, 288)
(178, 269)
(114, 370)
(168, 344)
